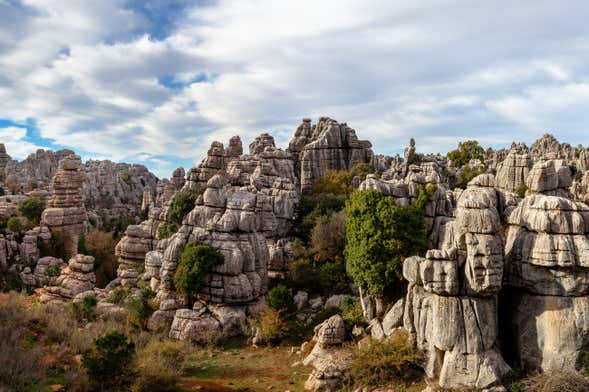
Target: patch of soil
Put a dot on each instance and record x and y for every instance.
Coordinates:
(208, 386)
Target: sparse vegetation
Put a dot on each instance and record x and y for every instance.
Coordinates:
(32, 208)
(166, 230)
(560, 381)
(521, 190)
(101, 245)
(196, 261)
(183, 203)
(84, 310)
(272, 326)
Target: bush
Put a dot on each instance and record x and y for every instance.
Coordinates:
(160, 365)
(56, 247)
(333, 277)
(302, 275)
(521, 190)
(14, 224)
(183, 203)
(84, 310)
(378, 363)
(352, 313)
(280, 299)
(32, 208)
(118, 295)
(196, 261)
(101, 245)
(335, 182)
(465, 176)
(166, 230)
(21, 367)
(362, 170)
(82, 245)
(140, 309)
(272, 327)
(108, 363)
(465, 152)
(328, 238)
(560, 381)
(379, 236)
(314, 206)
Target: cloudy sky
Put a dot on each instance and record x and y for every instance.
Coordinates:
(155, 82)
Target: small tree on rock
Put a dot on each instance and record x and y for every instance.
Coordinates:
(196, 261)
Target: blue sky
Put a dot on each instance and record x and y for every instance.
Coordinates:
(155, 82)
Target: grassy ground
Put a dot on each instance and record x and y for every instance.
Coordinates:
(245, 368)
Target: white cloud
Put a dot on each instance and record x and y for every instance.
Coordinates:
(436, 70)
(14, 140)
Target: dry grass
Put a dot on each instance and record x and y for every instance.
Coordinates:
(560, 381)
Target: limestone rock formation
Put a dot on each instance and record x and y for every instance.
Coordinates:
(328, 145)
(513, 171)
(78, 277)
(451, 305)
(550, 177)
(65, 213)
(328, 361)
(547, 267)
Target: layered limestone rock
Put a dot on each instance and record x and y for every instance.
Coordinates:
(77, 278)
(513, 171)
(131, 250)
(547, 268)
(328, 145)
(4, 159)
(65, 213)
(451, 304)
(329, 362)
(550, 177)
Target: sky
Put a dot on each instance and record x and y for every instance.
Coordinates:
(156, 81)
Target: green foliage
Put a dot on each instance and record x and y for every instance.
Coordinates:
(328, 237)
(335, 182)
(352, 313)
(390, 361)
(52, 270)
(166, 230)
(379, 236)
(125, 177)
(14, 224)
(521, 190)
(108, 363)
(465, 176)
(196, 261)
(82, 245)
(333, 277)
(302, 275)
(466, 151)
(314, 206)
(118, 295)
(140, 309)
(183, 203)
(84, 310)
(362, 170)
(32, 208)
(119, 225)
(280, 299)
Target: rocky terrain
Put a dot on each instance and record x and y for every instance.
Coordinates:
(504, 282)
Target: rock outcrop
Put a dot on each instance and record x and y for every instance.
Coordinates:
(65, 213)
(451, 305)
(77, 278)
(328, 145)
(513, 171)
(547, 269)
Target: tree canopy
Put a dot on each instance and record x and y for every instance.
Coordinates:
(380, 235)
(466, 151)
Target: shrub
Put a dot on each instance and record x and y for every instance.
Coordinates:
(166, 230)
(328, 237)
(521, 190)
(125, 177)
(32, 208)
(272, 327)
(84, 310)
(314, 206)
(377, 363)
(362, 170)
(333, 278)
(140, 308)
(183, 203)
(14, 224)
(302, 275)
(82, 245)
(21, 367)
(379, 236)
(335, 182)
(101, 245)
(160, 365)
(560, 381)
(56, 247)
(118, 295)
(280, 299)
(196, 261)
(465, 176)
(352, 313)
(466, 151)
(108, 363)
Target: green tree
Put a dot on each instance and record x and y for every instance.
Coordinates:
(32, 208)
(183, 203)
(196, 261)
(466, 151)
(465, 176)
(328, 237)
(109, 363)
(280, 299)
(14, 224)
(379, 236)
